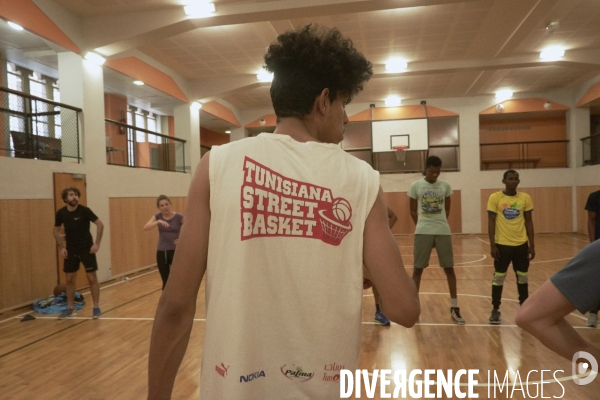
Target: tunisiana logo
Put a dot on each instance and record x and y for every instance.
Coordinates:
(296, 373)
(274, 205)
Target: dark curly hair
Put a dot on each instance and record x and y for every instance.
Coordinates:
(306, 61)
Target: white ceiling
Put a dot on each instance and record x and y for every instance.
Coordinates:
(454, 48)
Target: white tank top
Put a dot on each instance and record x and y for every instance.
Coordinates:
(284, 273)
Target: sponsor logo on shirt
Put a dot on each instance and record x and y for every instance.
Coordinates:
(296, 373)
(275, 205)
(331, 372)
(222, 370)
(253, 376)
(511, 211)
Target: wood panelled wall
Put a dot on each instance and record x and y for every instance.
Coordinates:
(400, 204)
(552, 208)
(582, 195)
(131, 247)
(27, 251)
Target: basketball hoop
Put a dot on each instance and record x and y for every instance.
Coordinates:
(400, 154)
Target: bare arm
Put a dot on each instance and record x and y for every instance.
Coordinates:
(413, 210)
(529, 229)
(99, 231)
(447, 203)
(392, 218)
(150, 224)
(492, 235)
(399, 299)
(542, 315)
(177, 305)
(60, 242)
(591, 226)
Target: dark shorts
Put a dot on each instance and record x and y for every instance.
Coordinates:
(518, 255)
(82, 256)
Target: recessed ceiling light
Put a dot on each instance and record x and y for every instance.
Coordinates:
(393, 101)
(552, 53)
(505, 94)
(396, 65)
(227, 132)
(95, 58)
(139, 83)
(15, 26)
(195, 105)
(264, 76)
(199, 9)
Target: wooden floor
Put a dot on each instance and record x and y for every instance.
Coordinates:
(83, 358)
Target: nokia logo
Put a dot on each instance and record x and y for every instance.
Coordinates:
(251, 377)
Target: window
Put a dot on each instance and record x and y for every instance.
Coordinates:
(37, 87)
(153, 126)
(57, 118)
(140, 122)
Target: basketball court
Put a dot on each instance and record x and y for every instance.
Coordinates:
(107, 358)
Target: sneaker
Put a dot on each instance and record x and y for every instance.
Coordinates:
(592, 321)
(69, 312)
(495, 317)
(97, 312)
(455, 312)
(381, 319)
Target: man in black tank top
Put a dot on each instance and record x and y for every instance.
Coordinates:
(79, 247)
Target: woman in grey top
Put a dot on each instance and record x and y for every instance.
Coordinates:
(169, 225)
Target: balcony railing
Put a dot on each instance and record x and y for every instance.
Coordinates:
(591, 149)
(524, 155)
(36, 128)
(134, 147)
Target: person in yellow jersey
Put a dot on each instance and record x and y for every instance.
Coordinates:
(510, 228)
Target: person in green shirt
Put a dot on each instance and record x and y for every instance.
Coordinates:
(429, 209)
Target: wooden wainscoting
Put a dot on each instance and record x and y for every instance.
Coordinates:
(552, 208)
(582, 195)
(399, 203)
(131, 247)
(27, 251)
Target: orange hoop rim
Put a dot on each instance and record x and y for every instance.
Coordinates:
(399, 149)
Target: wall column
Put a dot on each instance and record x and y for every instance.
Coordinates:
(187, 127)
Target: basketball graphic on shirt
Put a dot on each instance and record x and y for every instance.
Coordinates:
(342, 210)
(335, 222)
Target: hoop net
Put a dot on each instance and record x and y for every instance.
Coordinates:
(400, 154)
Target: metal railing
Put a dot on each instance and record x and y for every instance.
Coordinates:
(129, 146)
(524, 155)
(591, 149)
(36, 128)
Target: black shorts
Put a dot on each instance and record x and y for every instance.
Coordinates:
(80, 256)
(518, 255)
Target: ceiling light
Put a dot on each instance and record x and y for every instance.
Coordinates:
(265, 76)
(227, 132)
(393, 101)
(95, 58)
(199, 9)
(15, 26)
(552, 53)
(502, 95)
(396, 65)
(139, 83)
(195, 105)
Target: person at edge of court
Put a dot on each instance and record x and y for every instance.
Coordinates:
(282, 224)
(79, 248)
(169, 225)
(429, 209)
(575, 287)
(510, 230)
(592, 206)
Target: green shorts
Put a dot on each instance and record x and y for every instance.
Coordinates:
(443, 247)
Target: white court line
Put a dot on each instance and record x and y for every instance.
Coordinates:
(88, 292)
(488, 243)
(469, 262)
(571, 237)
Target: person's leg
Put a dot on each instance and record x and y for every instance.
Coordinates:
(94, 287)
(71, 278)
(422, 253)
(163, 266)
(500, 268)
(91, 266)
(592, 320)
(542, 315)
(71, 265)
(170, 255)
(520, 261)
(443, 247)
